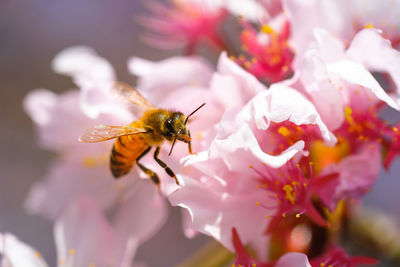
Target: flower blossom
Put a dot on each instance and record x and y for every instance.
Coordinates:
(334, 257)
(221, 191)
(83, 237)
(341, 18)
(348, 97)
(271, 55)
(82, 169)
(291, 259)
(184, 24)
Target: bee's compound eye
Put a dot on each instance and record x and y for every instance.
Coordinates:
(169, 125)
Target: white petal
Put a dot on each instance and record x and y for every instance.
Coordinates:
(355, 73)
(249, 83)
(84, 66)
(215, 213)
(293, 259)
(320, 88)
(170, 74)
(282, 103)
(38, 103)
(17, 254)
(248, 9)
(84, 237)
(142, 213)
(376, 54)
(243, 142)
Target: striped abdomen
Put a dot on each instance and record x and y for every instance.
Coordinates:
(124, 153)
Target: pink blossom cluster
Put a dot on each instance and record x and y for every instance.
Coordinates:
(289, 136)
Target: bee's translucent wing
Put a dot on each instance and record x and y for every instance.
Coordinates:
(101, 132)
(125, 92)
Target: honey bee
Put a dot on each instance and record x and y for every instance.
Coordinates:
(135, 140)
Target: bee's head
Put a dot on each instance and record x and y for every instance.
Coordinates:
(175, 127)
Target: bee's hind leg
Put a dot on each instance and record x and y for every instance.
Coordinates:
(163, 165)
(153, 176)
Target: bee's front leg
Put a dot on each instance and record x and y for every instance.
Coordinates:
(190, 145)
(163, 165)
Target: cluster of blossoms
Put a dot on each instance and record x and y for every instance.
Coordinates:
(289, 136)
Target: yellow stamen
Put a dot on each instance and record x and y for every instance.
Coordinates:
(290, 194)
(283, 131)
(369, 26)
(347, 114)
(267, 29)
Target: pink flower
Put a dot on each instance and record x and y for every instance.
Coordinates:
(335, 256)
(83, 237)
(221, 191)
(291, 259)
(82, 169)
(157, 79)
(270, 54)
(15, 253)
(348, 98)
(294, 193)
(341, 18)
(184, 24)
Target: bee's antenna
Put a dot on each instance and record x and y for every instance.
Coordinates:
(173, 144)
(187, 118)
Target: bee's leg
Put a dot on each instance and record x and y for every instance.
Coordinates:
(190, 145)
(163, 165)
(147, 171)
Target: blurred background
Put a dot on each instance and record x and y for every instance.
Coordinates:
(31, 34)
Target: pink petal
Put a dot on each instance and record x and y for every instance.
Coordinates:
(249, 9)
(282, 103)
(317, 81)
(58, 118)
(66, 181)
(358, 172)
(354, 73)
(241, 150)
(141, 213)
(15, 253)
(249, 85)
(187, 224)
(319, 14)
(216, 212)
(84, 66)
(157, 79)
(84, 237)
(293, 259)
(376, 53)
